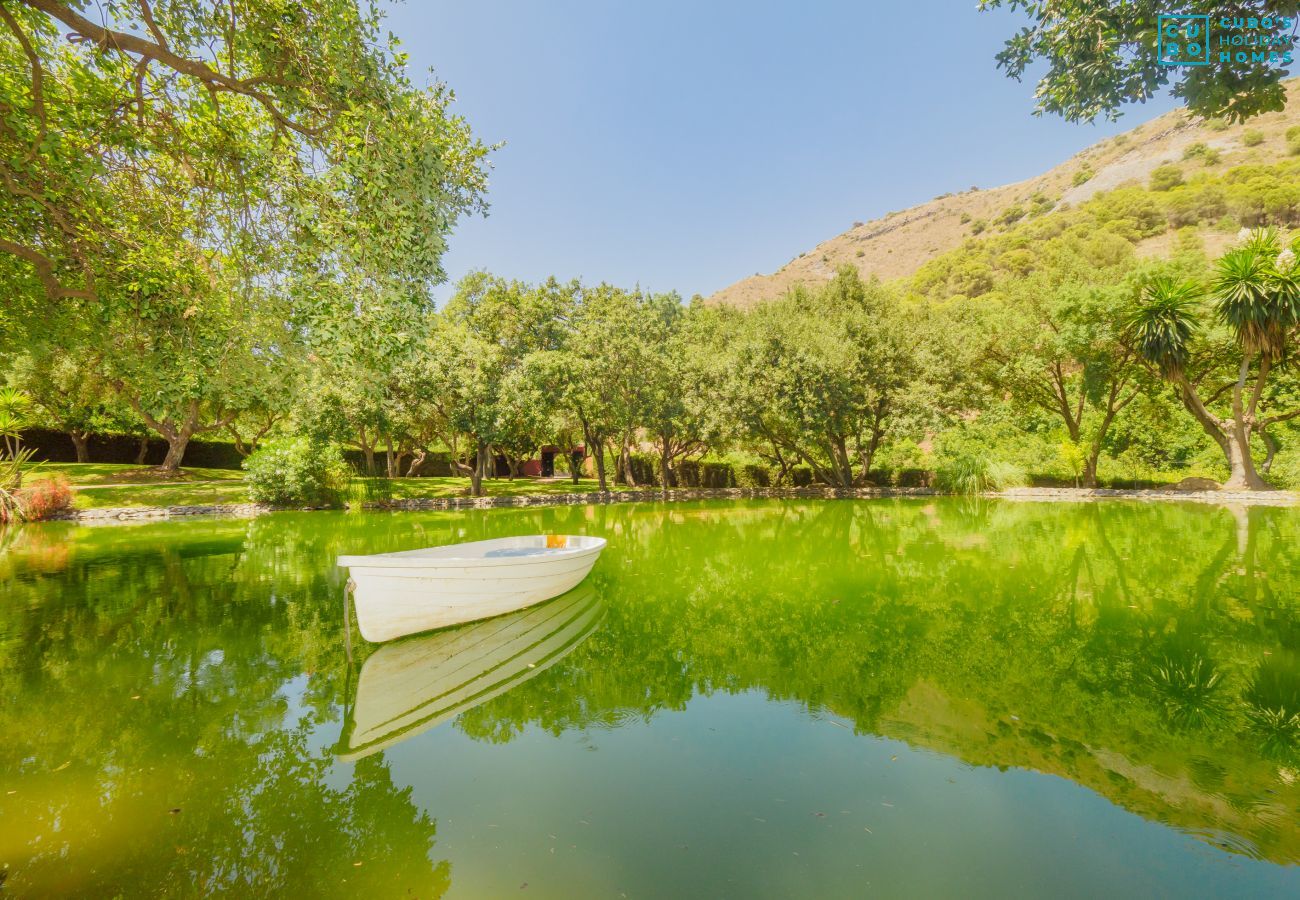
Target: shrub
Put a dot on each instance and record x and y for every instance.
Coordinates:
(972, 472)
(914, 477)
(1253, 138)
(11, 482)
(1293, 139)
(1285, 471)
(1166, 178)
(1216, 124)
(1011, 214)
(1082, 176)
(1203, 152)
(751, 475)
(978, 226)
(44, 498)
(964, 218)
(298, 471)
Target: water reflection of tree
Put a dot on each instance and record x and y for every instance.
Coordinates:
(149, 739)
(1027, 635)
(1069, 629)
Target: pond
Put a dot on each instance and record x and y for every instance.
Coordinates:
(746, 699)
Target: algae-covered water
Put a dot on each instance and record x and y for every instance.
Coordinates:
(745, 699)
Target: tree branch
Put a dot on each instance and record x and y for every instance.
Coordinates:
(157, 50)
(38, 76)
(45, 272)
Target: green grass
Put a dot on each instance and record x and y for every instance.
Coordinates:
(90, 474)
(200, 493)
(442, 486)
(105, 486)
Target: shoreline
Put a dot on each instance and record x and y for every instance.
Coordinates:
(1040, 495)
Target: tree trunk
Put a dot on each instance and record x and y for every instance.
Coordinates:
(417, 462)
(513, 464)
(625, 461)
(143, 452)
(665, 470)
(177, 441)
(476, 475)
(390, 459)
(599, 445)
(1270, 447)
(1244, 476)
(80, 440)
(575, 466)
(1090, 469)
(1233, 438)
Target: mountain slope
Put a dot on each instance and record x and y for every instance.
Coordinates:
(897, 245)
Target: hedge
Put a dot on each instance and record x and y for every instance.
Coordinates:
(56, 446)
(437, 463)
(693, 473)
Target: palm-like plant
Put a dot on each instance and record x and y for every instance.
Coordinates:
(1257, 293)
(1162, 327)
(15, 411)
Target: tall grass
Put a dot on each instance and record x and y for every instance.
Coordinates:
(975, 473)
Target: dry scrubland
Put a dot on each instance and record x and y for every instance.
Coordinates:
(900, 243)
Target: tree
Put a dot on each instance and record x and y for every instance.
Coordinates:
(679, 412)
(820, 376)
(1056, 342)
(1102, 54)
(72, 394)
(215, 185)
(1256, 300)
(480, 356)
(282, 121)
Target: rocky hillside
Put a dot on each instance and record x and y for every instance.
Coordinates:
(897, 245)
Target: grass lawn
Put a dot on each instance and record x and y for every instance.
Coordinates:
(103, 486)
(94, 474)
(412, 488)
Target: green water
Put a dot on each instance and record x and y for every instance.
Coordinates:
(752, 699)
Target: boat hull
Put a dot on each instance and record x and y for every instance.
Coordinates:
(401, 594)
(406, 688)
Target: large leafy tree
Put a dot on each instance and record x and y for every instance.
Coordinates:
(480, 360)
(680, 412)
(1102, 54)
(821, 376)
(180, 172)
(1255, 298)
(1056, 343)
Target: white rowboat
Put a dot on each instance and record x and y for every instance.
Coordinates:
(397, 594)
(408, 687)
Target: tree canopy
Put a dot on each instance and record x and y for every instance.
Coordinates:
(1103, 54)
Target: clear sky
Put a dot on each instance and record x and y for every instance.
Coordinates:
(686, 145)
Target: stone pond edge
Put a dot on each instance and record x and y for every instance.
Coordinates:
(248, 510)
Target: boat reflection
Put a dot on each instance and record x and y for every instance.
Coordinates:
(406, 688)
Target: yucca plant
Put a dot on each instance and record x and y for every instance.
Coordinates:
(15, 413)
(1164, 323)
(11, 483)
(1257, 294)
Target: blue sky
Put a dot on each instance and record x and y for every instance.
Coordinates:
(686, 145)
